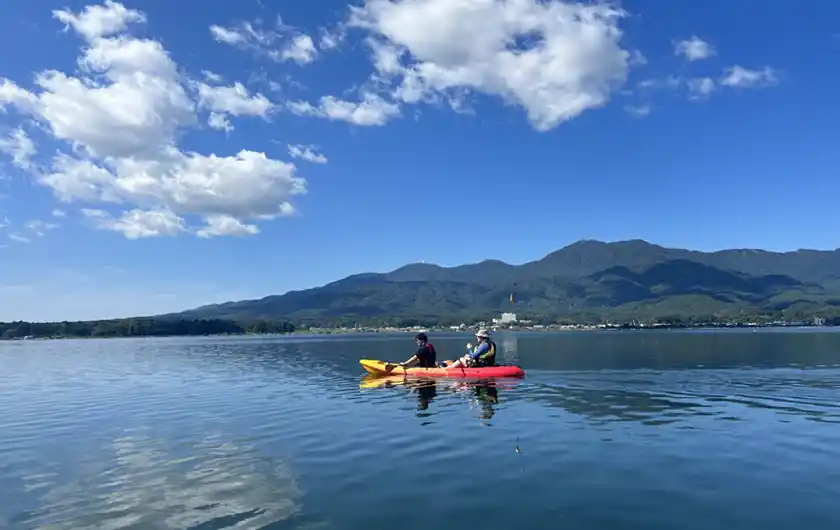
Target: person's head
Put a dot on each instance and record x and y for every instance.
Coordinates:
(482, 335)
(421, 338)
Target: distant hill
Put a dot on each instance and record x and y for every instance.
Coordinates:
(613, 279)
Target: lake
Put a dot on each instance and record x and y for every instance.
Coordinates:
(609, 430)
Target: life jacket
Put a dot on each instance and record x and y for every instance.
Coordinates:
(488, 358)
(434, 354)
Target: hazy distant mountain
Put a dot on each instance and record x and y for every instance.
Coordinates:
(587, 276)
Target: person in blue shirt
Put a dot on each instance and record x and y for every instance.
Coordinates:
(482, 354)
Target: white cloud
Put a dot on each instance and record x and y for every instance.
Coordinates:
(11, 94)
(225, 225)
(372, 110)
(307, 152)
(212, 76)
(234, 100)
(301, 50)
(554, 59)
(122, 117)
(20, 147)
(100, 21)
(136, 224)
(134, 112)
(72, 179)
(331, 39)
(57, 212)
(740, 77)
(284, 44)
(29, 231)
(220, 122)
(694, 49)
(661, 83)
(701, 88)
(228, 36)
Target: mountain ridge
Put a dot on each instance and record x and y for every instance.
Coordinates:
(585, 276)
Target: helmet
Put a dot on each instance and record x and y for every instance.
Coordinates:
(482, 333)
(422, 337)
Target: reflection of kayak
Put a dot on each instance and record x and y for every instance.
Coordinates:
(379, 368)
(379, 381)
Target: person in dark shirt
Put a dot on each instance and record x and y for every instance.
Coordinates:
(424, 356)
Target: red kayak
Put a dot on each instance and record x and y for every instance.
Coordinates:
(382, 368)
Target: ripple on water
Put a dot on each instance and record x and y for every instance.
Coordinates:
(144, 483)
(235, 433)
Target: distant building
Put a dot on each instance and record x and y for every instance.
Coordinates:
(507, 318)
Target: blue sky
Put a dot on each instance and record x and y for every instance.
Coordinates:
(157, 159)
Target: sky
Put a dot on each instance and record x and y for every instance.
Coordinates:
(156, 156)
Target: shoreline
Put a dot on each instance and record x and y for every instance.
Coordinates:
(390, 330)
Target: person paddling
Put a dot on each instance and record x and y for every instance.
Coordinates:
(425, 356)
(483, 354)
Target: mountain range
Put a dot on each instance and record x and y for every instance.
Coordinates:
(617, 279)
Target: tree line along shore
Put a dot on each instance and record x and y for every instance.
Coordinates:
(137, 327)
(163, 327)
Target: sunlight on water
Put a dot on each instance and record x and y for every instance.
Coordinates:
(135, 481)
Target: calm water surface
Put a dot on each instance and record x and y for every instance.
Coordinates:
(626, 430)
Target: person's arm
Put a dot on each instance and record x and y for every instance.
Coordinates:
(414, 358)
(480, 349)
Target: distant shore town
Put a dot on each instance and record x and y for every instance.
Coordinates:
(167, 327)
(509, 322)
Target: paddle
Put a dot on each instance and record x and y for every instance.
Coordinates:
(389, 366)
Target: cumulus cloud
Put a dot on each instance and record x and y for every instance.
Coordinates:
(219, 122)
(100, 21)
(136, 224)
(694, 49)
(122, 115)
(701, 88)
(740, 77)
(283, 44)
(235, 100)
(301, 50)
(554, 59)
(372, 110)
(308, 153)
(226, 225)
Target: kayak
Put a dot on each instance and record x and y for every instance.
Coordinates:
(380, 368)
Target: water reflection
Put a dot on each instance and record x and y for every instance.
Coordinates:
(616, 404)
(214, 484)
(485, 395)
(479, 393)
(664, 397)
(510, 348)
